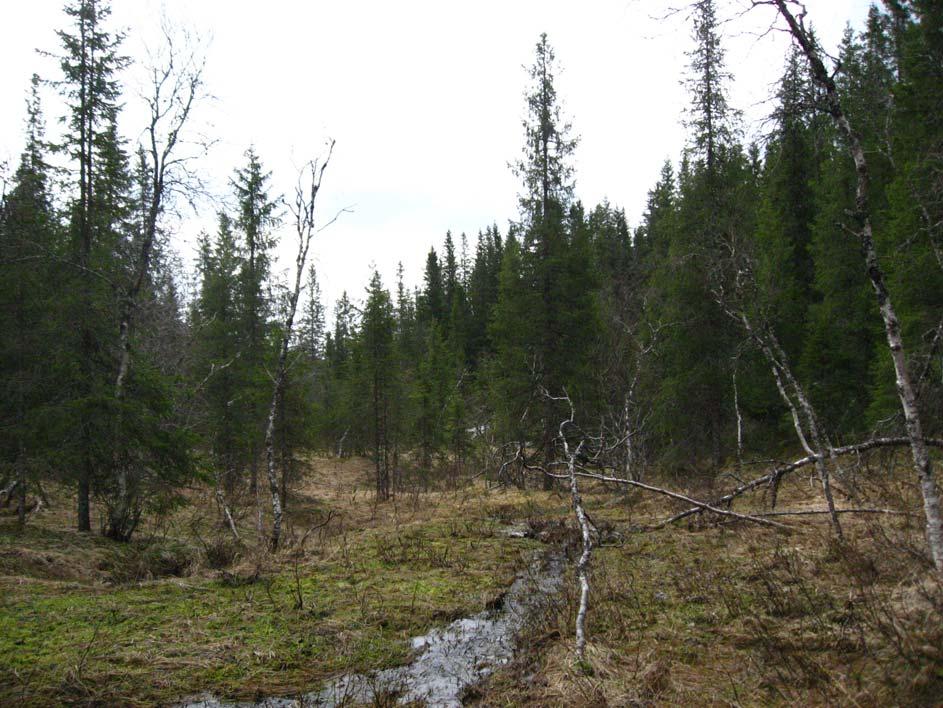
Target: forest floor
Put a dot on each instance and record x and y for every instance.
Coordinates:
(699, 613)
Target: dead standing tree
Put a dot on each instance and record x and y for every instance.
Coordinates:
(176, 84)
(582, 565)
(305, 228)
(735, 286)
(627, 423)
(589, 459)
(861, 216)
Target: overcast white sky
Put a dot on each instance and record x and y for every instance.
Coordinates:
(425, 100)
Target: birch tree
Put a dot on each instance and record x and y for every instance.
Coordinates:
(793, 13)
(176, 84)
(303, 210)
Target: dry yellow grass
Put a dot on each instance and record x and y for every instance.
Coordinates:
(705, 612)
(709, 612)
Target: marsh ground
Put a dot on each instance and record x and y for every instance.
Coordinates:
(704, 612)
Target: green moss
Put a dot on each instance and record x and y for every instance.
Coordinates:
(159, 641)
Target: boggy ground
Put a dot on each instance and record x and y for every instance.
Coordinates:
(699, 613)
(711, 613)
(182, 610)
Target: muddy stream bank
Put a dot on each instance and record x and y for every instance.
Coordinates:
(447, 660)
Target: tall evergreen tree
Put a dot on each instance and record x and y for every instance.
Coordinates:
(545, 168)
(483, 292)
(29, 236)
(557, 304)
(709, 116)
(696, 348)
(787, 210)
(512, 375)
(311, 331)
(433, 306)
(378, 378)
(256, 216)
(90, 65)
(217, 328)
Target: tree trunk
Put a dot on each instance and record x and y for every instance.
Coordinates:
(21, 483)
(923, 466)
(224, 508)
(270, 456)
(85, 249)
(582, 566)
(84, 492)
(305, 228)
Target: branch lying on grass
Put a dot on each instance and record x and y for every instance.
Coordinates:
(810, 512)
(701, 506)
(775, 475)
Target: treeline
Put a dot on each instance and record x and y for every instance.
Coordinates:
(654, 334)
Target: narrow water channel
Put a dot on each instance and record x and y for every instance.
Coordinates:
(448, 660)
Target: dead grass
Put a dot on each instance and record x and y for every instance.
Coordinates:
(705, 612)
(84, 620)
(712, 613)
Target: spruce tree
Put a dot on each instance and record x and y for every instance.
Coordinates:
(483, 292)
(311, 331)
(697, 344)
(256, 216)
(842, 333)
(378, 378)
(90, 64)
(709, 115)
(512, 375)
(217, 328)
(433, 305)
(29, 240)
(560, 307)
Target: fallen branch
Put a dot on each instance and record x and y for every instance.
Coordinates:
(809, 512)
(775, 475)
(701, 506)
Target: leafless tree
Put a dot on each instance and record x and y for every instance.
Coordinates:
(734, 288)
(571, 456)
(175, 85)
(589, 457)
(794, 14)
(303, 210)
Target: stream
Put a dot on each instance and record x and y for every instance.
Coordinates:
(448, 660)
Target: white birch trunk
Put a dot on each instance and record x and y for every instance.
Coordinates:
(582, 566)
(305, 228)
(224, 507)
(736, 408)
(923, 466)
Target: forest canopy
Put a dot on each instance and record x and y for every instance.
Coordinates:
(118, 386)
(778, 308)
